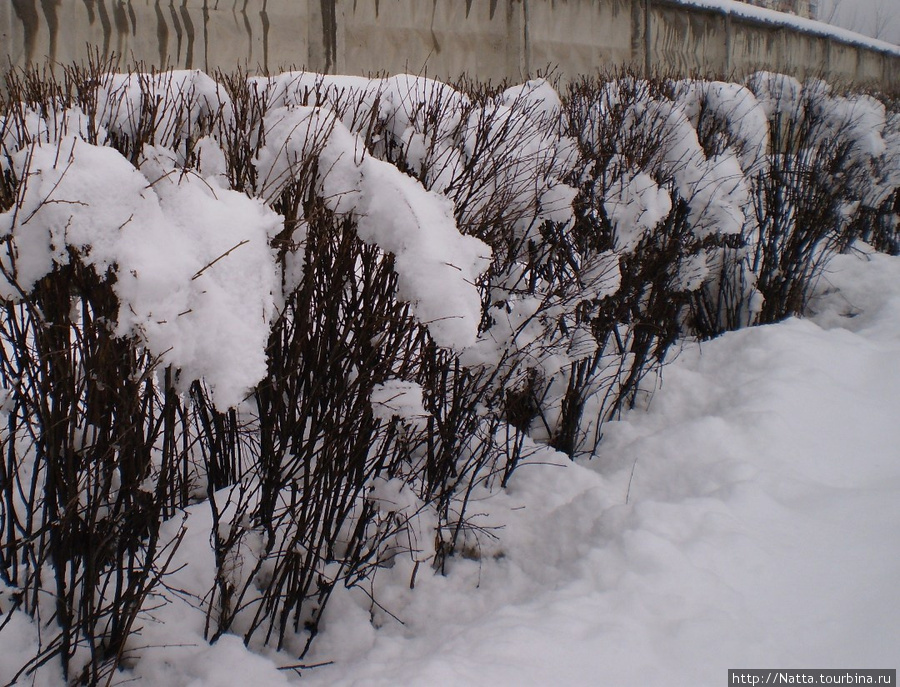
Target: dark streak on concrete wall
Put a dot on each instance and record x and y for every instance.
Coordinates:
(162, 36)
(105, 23)
(189, 32)
(27, 14)
(329, 33)
(89, 6)
(48, 7)
(264, 19)
(179, 34)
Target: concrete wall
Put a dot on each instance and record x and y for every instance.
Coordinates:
(160, 32)
(486, 39)
(688, 39)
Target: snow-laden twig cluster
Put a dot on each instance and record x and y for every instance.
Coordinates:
(336, 310)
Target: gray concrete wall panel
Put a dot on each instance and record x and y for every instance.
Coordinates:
(442, 39)
(581, 37)
(755, 48)
(688, 43)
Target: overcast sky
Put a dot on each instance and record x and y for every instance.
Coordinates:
(876, 18)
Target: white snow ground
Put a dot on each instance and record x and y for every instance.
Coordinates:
(750, 518)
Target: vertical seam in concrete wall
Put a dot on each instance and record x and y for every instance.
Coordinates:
(340, 37)
(857, 72)
(648, 38)
(782, 59)
(329, 34)
(205, 36)
(515, 32)
(310, 32)
(526, 41)
(729, 46)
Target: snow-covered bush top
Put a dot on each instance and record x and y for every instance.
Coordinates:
(190, 261)
(421, 168)
(437, 266)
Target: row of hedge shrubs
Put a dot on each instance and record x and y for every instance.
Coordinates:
(621, 216)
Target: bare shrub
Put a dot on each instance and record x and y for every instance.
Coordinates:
(89, 471)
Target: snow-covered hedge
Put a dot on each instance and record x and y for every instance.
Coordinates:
(331, 311)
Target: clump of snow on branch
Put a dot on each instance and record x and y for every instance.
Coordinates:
(777, 94)
(172, 104)
(438, 267)
(635, 204)
(744, 119)
(193, 270)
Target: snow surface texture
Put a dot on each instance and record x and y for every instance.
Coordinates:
(748, 519)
